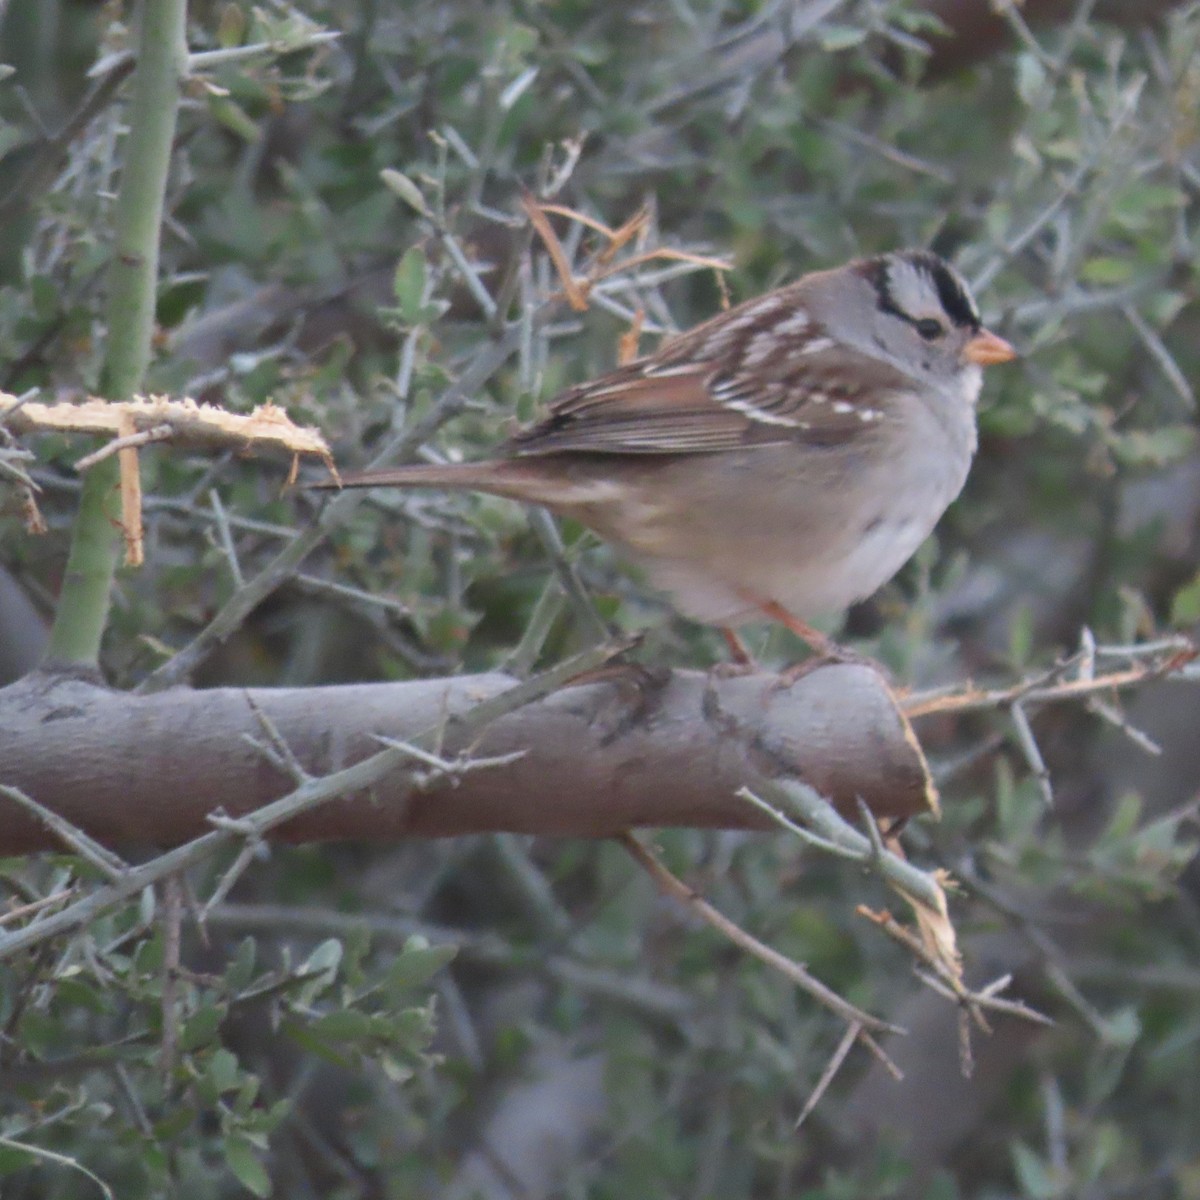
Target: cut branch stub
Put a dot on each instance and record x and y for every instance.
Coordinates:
(267, 427)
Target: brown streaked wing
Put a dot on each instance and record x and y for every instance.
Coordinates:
(828, 395)
(629, 412)
(665, 404)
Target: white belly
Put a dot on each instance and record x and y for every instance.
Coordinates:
(858, 565)
(813, 554)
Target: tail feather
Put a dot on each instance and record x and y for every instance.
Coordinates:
(471, 476)
(528, 481)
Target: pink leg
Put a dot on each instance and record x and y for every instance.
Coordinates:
(825, 650)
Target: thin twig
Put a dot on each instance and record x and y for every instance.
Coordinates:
(1051, 956)
(292, 764)
(1108, 712)
(831, 1069)
(522, 876)
(838, 836)
(451, 770)
(574, 290)
(37, 906)
(225, 536)
(30, 183)
(172, 917)
(253, 849)
(886, 150)
(947, 983)
(590, 621)
(1162, 356)
(972, 699)
(1069, 188)
(204, 60)
(112, 866)
(650, 997)
(546, 610)
(159, 433)
(468, 273)
(1032, 752)
(345, 591)
(671, 885)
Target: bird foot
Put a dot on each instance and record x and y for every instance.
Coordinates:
(733, 670)
(831, 654)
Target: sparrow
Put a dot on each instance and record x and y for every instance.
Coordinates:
(783, 459)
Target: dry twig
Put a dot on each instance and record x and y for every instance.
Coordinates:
(969, 698)
(864, 1023)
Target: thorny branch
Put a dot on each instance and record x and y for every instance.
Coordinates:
(127, 882)
(1074, 678)
(935, 946)
(948, 983)
(671, 885)
(1172, 658)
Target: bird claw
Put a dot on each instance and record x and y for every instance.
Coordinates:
(733, 670)
(832, 655)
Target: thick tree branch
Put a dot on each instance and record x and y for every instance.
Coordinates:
(598, 757)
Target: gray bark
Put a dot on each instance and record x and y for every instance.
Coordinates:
(599, 757)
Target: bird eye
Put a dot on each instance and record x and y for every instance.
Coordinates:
(929, 328)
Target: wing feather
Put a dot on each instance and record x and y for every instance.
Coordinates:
(761, 374)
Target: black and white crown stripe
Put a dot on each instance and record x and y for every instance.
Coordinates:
(907, 282)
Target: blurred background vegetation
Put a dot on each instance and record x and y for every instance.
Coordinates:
(588, 1041)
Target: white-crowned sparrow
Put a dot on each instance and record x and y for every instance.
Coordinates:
(785, 458)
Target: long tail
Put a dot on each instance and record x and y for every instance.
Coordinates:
(517, 481)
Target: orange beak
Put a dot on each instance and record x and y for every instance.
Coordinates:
(986, 348)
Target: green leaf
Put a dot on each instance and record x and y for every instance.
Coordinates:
(223, 1070)
(148, 958)
(1033, 1177)
(231, 28)
(400, 184)
(520, 40)
(1021, 636)
(44, 297)
(243, 1103)
(413, 1027)
(1031, 78)
(62, 1160)
(323, 963)
(201, 1028)
(1123, 1027)
(1139, 207)
(1126, 814)
(515, 90)
(241, 968)
(1107, 270)
(303, 1036)
(325, 957)
(233, 116)
(841, 37)
(79, 993)
(1185, 605)
(175, 1120)
(418, 962)
(409, 286)
(344, 1025)
(395, 1070)
(15, 1158)
(245, 1163)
